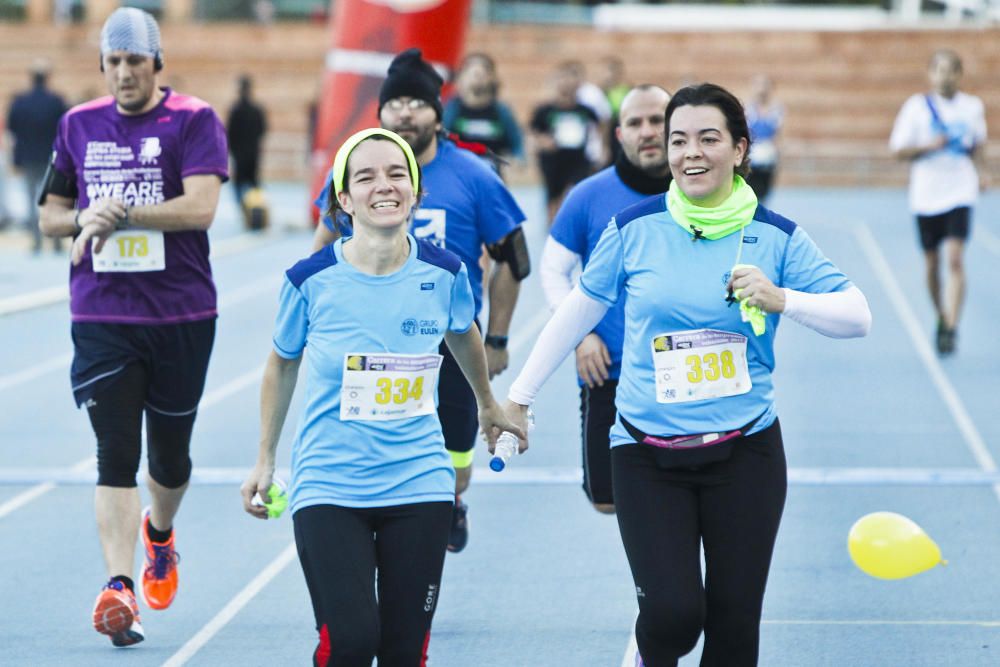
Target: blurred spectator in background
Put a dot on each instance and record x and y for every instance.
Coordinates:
(591, 95)
(245, 130)
(613, 82)
(942, 134)
(32, 121)
(5, 218)
(476, 114)
(562, 129)
(764, 116)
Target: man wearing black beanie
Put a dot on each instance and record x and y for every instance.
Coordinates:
(465, 206)
(411, 76)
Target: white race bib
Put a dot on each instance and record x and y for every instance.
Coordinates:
(131, 250)
(700, 364)
(569, 131)
(380, 386)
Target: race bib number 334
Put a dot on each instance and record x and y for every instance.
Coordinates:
(700, 364)
(381, 386)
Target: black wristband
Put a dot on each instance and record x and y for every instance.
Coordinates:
(496, 342)
(124, 223)
(76, 223)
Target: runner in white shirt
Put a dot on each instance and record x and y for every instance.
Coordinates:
(942, 134)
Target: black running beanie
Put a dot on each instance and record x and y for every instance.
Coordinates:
(411, 76)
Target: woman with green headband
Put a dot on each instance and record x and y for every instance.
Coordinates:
(697, 455)
(372, 485)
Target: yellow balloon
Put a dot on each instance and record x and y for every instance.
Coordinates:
(887, 545)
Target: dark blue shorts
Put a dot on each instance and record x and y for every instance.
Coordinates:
(936, 228)
(175, 357)
(457, 407)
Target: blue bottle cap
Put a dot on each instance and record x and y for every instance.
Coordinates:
(497, 464)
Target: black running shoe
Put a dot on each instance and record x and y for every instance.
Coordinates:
(950, 338)
(459, 535)
(941, 337)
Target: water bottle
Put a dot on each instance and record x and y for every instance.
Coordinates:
(506, 446)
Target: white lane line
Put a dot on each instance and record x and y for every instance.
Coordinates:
(632, 650)
(208, 400)
(234, 606)
(40, 490)
(58, 293)
(971, 435)
(981, 624)
(36, 299)
(36, 371)
(226, 300)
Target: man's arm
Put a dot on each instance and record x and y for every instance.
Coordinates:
(193, 210)
(504, 289)
(512, 266)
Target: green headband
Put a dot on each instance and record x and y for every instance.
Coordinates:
(340, 162)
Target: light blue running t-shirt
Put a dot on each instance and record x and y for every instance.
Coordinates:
(465, 206)
(673, 284)
(329, 310)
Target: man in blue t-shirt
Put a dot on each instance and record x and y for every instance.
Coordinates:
(465, 206)
(640, 170)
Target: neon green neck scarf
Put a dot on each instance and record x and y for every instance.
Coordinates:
(716, 222)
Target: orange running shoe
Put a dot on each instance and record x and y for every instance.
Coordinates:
(116, 614)
(159, 577)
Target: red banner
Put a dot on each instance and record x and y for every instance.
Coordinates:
(365, 36)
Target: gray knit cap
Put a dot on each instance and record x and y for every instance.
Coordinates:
(131, 30)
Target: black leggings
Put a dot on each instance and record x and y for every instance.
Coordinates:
(360, 616)
(116, 411)
(732, 507)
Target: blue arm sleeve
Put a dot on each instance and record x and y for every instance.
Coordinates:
(463, 305)
(604, 276)
(292, 323)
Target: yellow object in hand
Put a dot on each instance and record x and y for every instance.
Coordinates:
(279, 499)
(748, 313)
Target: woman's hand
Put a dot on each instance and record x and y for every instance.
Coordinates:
(493, 422)
(259, 481)
(751, 284)
(517, 416)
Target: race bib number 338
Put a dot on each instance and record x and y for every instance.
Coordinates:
(381, 386)
(700, 364)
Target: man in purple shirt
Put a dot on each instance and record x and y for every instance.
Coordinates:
(135, 179)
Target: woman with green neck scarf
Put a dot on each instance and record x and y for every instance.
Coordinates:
(697, 456)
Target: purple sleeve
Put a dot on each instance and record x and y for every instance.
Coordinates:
(62, 158)
(204, 145)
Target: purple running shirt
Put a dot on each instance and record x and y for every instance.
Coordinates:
(142, 160)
